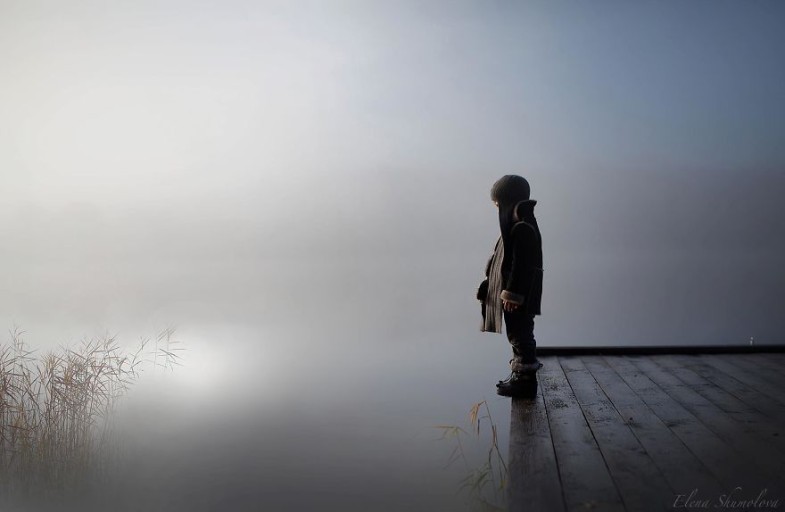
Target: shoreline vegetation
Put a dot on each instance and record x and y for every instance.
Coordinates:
(57, 430)
(485, 485)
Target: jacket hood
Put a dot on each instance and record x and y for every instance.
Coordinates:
(509, 190)
(523, 210)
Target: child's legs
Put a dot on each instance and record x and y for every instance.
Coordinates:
(520, 332)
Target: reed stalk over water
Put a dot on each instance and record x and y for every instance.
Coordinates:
(486, 484)
(56, 428)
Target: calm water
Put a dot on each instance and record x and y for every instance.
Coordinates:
(313, 401)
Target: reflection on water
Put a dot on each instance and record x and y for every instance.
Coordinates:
(284, 401)
(264, 418)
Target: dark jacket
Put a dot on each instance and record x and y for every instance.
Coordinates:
(514, 272)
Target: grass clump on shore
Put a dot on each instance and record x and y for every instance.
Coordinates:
(486, 484)
(56, 409)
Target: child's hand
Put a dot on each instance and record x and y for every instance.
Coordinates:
(509, 306)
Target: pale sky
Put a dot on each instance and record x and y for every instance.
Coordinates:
(145, 136)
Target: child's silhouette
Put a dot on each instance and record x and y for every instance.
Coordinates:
(513, 286)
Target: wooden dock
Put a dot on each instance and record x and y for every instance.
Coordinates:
(638, 431)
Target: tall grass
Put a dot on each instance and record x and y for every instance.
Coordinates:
(56, 409)
(486, 484)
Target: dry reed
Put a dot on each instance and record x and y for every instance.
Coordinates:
(486, 484)
(56, 409)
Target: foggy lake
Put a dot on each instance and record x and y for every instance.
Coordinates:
(301, 191)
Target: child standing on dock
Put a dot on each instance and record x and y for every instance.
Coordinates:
(513, 286)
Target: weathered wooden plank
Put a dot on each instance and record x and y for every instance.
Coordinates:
(681, 468)
(729, 365)
(641, 485)
(769, 361)
(744, 392)
(760, 364)
(743, 452)
(755, 423)
(534, 482)
(777, 358)
(586, 482)
(726, 464)
(736, 433)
